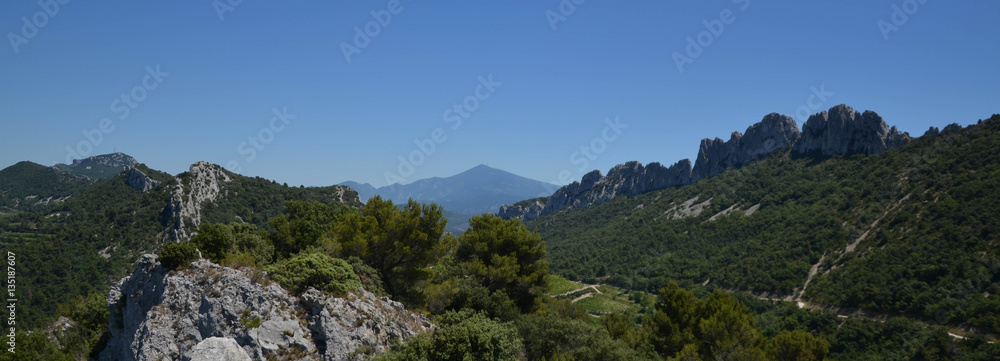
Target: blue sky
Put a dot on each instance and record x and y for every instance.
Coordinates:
(560, 78)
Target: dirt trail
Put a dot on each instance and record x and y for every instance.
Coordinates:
(812, 272)
(588, 294)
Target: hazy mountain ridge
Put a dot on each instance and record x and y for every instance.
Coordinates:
(839, 131)
(482, 189)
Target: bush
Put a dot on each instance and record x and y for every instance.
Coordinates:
(214, 240)
(370, 278)
(317, 270)
(177, 254)
(463, 336)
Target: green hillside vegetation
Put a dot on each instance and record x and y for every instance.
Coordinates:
(254, 200)
(598, 300)
(925, 215)
(82, 245)
(28, 186)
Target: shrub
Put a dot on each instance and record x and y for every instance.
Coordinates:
(462, 336)
(318, 270)
(176, 254)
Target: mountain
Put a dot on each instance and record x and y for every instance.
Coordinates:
(100, 166)
(482, 189)
(839, 131)
(883, 227)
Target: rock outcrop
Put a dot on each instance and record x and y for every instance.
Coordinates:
(202, 184)
(627, 179)
(218, 349)
(775, 132)
(139, 180)
(206, 309)
(841, 130)
(524, 210)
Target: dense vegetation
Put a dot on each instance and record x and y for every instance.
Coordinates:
(921, 221)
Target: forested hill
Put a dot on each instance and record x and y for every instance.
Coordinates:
(913, 231)
(74, 235)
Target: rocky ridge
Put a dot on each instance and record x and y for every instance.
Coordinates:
(840, 130)
(773, 133)
(203, 311)
(189, 193)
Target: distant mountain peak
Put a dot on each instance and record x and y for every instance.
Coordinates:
(102, 166)
(117, 159)
(479, 189)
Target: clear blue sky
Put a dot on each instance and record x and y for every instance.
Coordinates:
(354, 119)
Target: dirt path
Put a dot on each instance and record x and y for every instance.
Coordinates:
(812, 272)
(588, 294)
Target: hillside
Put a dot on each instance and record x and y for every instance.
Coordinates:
(83, 242)
(30, 186)
(911, 231)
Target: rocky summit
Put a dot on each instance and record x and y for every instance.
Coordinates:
(210, 312)
(841, 130)
(838, 131)
(774, 132)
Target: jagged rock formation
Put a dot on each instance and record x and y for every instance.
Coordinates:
(624, 179)
(139, 180)
(840, 130)
(953, 127)
(202, 185)
(845, 131)
(524, 210)
(161, 315)
(775, 132)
